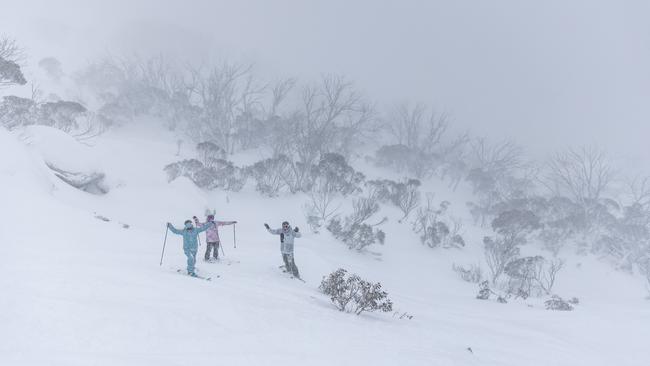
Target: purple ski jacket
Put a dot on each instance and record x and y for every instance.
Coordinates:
(212, 234)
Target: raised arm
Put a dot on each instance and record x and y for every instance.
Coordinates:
(224, 223)
(275, 231)
(173, 229)
(272, 231)
(205, 227)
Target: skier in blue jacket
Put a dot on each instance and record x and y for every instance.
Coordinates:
(190, 242)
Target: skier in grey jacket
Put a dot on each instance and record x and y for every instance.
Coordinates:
(287, 236)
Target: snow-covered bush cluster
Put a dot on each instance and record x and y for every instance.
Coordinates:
(473, 273)
(64, 115)
(404, 194)
(350, 293)
(220, 174)
(436, 228)
(524, 276)
(557, 303)
(567, 201)
(329, 177)
(10, 56)
(354, 230)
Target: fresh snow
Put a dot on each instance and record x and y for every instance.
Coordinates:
(76, 290)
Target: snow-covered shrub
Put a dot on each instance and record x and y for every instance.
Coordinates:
(222, 174)
(350, 293)
(10, 73)
(363, 209)
(210, 152)
(472, 274)
(405, 194)
(313, 221)
(557, 303)
(331, 178)
(61, 114)
(511, 227)
(484, 291)
(270, 175)
(353, 229)
(356, 235)
(401, 158)
(497, 173)
(499, 251)
(521, 274)
(185, 168)
(16, 111)
(515, 223)
(321, 206)
(547, 274)
(434, 230)
(531, 276)
(333, 173)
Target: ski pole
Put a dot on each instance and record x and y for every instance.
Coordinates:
(164, 244)
(234, 235)
(222, 252)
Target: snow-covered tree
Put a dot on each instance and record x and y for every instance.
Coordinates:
(10, 56)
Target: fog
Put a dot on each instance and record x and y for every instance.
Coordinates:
(468, 180)
(547, 74)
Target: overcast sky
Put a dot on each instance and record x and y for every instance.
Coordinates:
(546, 73)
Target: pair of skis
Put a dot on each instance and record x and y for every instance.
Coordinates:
(284, 270)
(180, 271)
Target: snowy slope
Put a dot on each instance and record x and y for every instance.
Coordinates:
(77, 290)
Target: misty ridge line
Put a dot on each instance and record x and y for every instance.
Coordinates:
(412, 125)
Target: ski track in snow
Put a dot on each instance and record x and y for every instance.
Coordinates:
(80, 291)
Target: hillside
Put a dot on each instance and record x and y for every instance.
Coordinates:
(79, 290)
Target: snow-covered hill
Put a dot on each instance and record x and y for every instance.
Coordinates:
(79, 290)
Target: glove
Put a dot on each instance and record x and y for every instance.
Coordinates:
(169, 225)
(295, 229)
(234, 222)
(195, 218)
(267, 226)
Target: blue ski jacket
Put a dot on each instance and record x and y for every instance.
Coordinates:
(190, 236)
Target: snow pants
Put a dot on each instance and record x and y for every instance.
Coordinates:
(290, 264)
(190, 253)
(212, 245)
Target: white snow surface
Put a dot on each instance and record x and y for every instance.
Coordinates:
(75, 290)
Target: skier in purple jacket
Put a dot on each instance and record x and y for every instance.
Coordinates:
(212, 235)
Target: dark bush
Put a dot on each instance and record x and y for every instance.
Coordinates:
(353, 294)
